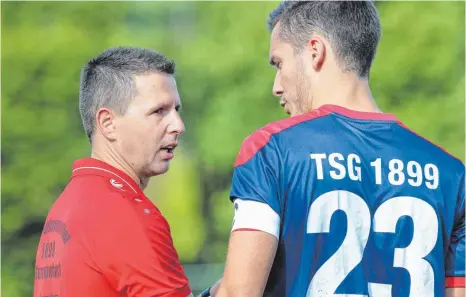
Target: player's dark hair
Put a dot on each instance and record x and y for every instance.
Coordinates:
(108, 80)
(352, 28)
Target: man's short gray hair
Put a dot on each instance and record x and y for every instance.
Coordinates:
(108, 80)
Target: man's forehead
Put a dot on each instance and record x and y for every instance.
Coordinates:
(276, 42)
(155, 80)
(273, 43)
(276, 31)
(158, 87)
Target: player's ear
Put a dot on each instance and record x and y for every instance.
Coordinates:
(105, 122)
(318, 51)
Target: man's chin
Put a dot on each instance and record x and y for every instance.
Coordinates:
(158, 169)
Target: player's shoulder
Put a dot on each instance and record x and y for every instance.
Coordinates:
(282, 125)
(100, 186)
(96, 198)
(105, 202)
(436, 152)
(265, 135)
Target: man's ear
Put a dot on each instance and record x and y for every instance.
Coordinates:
(318, 50)
(106, 123)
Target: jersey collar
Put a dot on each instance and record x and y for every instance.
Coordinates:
(360, 115)
(119, 179)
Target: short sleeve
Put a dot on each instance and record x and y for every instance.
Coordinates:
(134, 250)
(455, 261)
(256, 184)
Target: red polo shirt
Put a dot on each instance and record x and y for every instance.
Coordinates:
(104, 238)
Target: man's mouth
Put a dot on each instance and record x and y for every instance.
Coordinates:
(283, 104)
(170, 148)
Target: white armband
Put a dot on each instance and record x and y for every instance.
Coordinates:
(254, 215)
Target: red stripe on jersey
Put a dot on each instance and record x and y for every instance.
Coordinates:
(257, 140)
(261, 137)
(359, 115)
(455, 282)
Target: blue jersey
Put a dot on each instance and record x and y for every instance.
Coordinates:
(361, 206)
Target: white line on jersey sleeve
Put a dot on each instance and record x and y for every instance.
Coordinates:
(256, 216)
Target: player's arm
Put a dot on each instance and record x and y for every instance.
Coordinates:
(135, 253)
(455, 261)
(256, 195)
(250, 257)
(455, 292)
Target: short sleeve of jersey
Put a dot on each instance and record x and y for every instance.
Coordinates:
(134, 249)
(455, 261)
(256, 184)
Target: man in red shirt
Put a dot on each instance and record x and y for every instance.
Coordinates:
(103, 237)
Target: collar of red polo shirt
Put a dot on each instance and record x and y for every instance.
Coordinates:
(119, 179)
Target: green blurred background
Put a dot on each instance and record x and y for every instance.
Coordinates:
(221, 50)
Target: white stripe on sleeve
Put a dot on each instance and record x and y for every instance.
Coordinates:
(256, 216)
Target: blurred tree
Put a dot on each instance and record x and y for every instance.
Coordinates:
(221, 50)
(419, 70)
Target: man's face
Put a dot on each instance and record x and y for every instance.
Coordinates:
(291, 84)
(148, 132)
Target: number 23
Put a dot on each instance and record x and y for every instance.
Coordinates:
(330, 275)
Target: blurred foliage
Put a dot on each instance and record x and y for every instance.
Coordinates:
(221, 50)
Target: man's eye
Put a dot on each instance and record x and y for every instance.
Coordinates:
(158, 111)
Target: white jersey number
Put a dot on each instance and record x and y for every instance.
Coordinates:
(332, 273)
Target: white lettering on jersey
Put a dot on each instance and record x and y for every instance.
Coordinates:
(336, 269)
(340, 166)
(354, 172)
(340, 170)
(320, 170)
(256, 215)
(395, 171)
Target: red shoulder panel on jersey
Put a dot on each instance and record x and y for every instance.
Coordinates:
(455, 282)
(261, 137)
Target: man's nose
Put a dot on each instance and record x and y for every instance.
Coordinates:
(277, 89)
(177, 125)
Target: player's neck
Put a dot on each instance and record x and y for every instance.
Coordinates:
(111, 157)
(347, 91)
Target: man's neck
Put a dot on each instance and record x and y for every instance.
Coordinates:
(349, 92)
(109, 156)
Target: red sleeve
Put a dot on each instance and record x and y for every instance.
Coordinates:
(135, 252)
